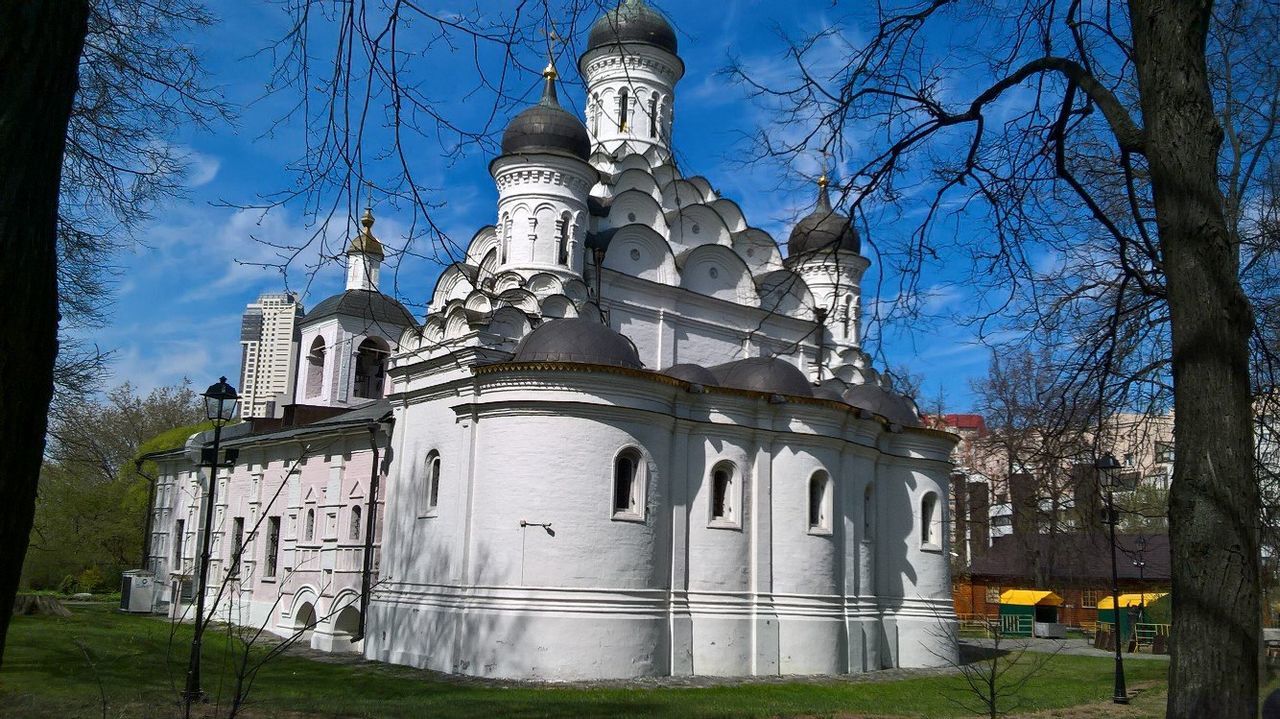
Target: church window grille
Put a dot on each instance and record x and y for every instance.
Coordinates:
(355, 522)
(820, 502)
(653, 115)
(179, 529)
(595, 115)
(433, 480)
(273, 546)
(562, 246)
(623, 99)
(237, 544)
(628, 485)
(310, 533)
(315, 367)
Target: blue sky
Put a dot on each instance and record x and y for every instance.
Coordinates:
(181, 291)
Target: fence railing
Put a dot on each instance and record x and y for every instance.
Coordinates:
(1145, 636)
(1016, 624)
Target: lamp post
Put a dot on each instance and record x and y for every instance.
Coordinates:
(1108, 468)
(1141, 563)
(219, 407)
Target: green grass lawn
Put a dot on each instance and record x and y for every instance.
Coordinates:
(62, 668)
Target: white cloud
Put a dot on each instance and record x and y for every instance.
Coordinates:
(201, 168)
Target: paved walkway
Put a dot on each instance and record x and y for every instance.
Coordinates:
(1074, 646)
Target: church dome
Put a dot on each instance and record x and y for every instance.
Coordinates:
(694, 373)
(823, 229)
(632, 21)
(364, 242)
(370, 305)
(547, 127)
(577, 340)
(892, 406)
(763, 374)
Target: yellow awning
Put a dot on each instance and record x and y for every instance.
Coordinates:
(1029, 597)
(1131, 600)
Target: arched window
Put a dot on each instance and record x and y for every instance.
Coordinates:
(595, 115)
(562, 242)
(820, 501)
(930, 521)
(355, 522)
(722, 493)
(371, 368)
(315, 367)
(868, 514)
(628, 484)
(846, 315)
(653, 114)
(433, 480)
(309, 533)
(623, 99)
(505, 239)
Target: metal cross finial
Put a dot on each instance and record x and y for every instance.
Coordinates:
(552, 38)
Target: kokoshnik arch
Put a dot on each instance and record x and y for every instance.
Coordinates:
(630, 438)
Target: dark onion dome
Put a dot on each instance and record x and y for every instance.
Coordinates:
(695, 373)
(369, 305)
(364, 242)
(823, 229)
(763, 374)
(547, 128)
(632, 21)
(577, 340)
(893, 407)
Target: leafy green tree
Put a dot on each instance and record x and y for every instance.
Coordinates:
(92, 503)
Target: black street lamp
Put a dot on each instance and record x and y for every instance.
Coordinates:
(219, 407)
(1108, 471)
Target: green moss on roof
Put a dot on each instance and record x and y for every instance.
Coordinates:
(172, 439)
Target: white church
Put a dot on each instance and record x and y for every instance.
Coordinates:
(633, 436)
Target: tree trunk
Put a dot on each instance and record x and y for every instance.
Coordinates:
(1213, 503)
(40, 48)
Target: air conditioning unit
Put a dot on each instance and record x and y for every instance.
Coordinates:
(137, 591)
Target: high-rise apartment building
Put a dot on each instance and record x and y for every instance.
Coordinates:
(268, 350)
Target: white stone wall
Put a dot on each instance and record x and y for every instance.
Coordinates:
(473, 591)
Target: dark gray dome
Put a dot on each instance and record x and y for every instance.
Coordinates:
(577, 340)
(632, 21)
(823, 229)
(763, 374)
(893, 407)
(828, 393)
(547, 127)
(373, 306)
(695, 373)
